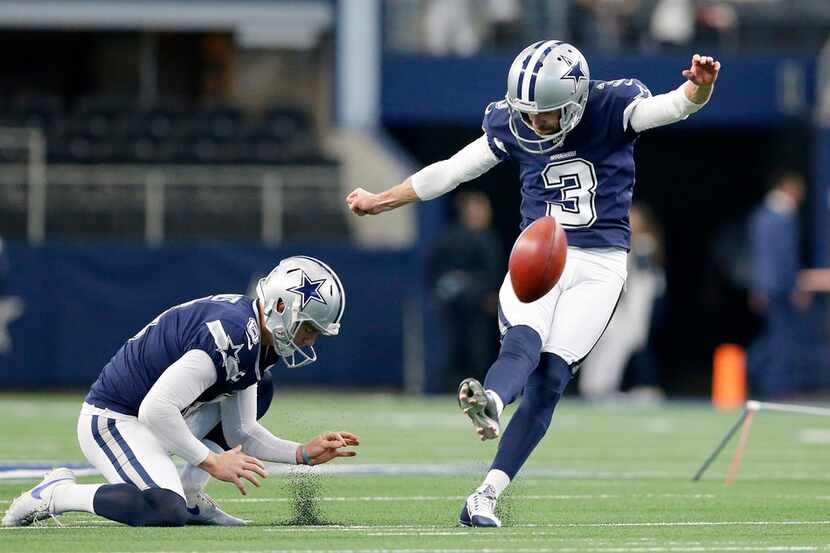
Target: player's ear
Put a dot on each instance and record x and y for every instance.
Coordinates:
(280, 306)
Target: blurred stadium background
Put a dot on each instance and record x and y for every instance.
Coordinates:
(155, 151)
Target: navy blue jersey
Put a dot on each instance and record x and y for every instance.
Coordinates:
(225, 326)
(586, 183)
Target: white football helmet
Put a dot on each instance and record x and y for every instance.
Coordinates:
(546, 76)
(310, 291)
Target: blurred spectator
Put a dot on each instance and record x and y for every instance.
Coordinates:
(775, 247)
(464, 271)
(601, 24)
(502, 20)
(673, 22)
(628, 340)
(10, 307)
(452, 27)
(4, 267)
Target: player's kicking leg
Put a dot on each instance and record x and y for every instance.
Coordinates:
(575, 313)
(201, 508)
(519, 355)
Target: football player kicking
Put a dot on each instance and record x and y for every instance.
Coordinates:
(573, 139)
(194, 382)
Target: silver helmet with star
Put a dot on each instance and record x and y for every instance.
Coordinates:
(547, 75)
(306, 290)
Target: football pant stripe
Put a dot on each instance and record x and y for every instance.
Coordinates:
(524, 67)
(99, 439)
(534, 59)
(537, 67)
(503, 322)
(120, 456)
(130, 456)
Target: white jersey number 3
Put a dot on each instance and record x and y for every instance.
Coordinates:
(576, 182)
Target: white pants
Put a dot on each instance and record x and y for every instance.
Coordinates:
(125, 451)
(602, 373)
(571, 317)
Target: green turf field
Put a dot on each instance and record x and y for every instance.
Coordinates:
(604, 480)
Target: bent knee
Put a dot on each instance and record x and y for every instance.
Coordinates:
(165, 508)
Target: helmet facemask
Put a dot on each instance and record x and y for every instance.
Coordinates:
(571, 115)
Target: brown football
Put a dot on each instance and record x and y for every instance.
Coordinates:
(538, 259)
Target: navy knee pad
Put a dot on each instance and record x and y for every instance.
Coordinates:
(167, 508)
(152, 507)
(521, 343)
(518, 357)
(555, 371)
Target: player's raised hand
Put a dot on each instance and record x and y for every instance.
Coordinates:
(232, 466)
(326, 446)
(362, 202)
(703, 71)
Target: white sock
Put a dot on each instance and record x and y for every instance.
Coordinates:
(74, 497)
(496, 478)
(497, 399)
(195, 479)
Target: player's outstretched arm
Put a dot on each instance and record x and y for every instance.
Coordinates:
(363, 202)
(701, 77)
(325, 447)
(664, 109)
(430, 182)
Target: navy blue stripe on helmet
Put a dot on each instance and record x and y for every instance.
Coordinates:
(336, 280)
(108, 452)
(537, 68)
(524, 66)
(131, 458)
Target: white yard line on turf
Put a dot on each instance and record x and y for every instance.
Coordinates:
(590, 497)
(588, 549)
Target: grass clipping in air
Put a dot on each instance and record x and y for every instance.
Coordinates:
(304, 491)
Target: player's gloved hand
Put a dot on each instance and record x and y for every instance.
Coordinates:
(363, 202)
(326, 447)
(232, 466)
(704, 70)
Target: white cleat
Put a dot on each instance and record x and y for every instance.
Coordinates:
(480, 509)
(203, 510)
(480, 407)
(36, 504)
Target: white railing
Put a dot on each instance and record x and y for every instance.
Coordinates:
(161, 196)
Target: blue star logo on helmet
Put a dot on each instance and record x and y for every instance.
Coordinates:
(575, 73)
(309, 290)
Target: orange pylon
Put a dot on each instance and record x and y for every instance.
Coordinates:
(729, 377)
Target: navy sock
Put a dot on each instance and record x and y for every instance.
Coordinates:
(531, 420)
(264, 396)
(519, 355)
(127, 504)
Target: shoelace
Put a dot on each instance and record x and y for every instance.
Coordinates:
(485, 500)
(209, 500)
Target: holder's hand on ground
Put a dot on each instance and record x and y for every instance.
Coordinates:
(362, 202)
(232, 466)
(326, 447)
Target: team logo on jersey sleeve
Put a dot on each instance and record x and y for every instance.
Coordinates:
(309, 290)
(228, 350)
(252, 333)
